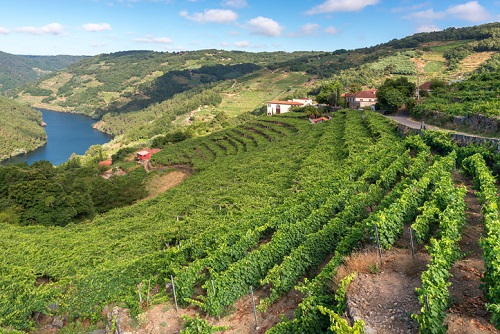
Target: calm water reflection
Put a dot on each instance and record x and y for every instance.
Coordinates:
(67, 133)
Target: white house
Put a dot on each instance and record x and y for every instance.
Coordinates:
(281, 107)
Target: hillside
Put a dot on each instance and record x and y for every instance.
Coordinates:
(20, 129)
(17, 70)
(131, 90)
(271, 202)
(239, 201)
(132, 80)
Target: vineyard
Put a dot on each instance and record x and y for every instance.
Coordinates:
(275, 204)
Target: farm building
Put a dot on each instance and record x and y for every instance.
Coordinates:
(146, 153)
(281, 107)
(365, 98)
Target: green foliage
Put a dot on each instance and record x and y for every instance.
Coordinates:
(340, 325)
(21, 129)
(447, 202)
(394, 93)
(42, 194)
(401, 63)
(16, 70)
(476, 95)
(197, 325)
(330, 93)
(341, 293)
(476, 166)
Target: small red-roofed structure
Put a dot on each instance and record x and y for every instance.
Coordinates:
(146, 153)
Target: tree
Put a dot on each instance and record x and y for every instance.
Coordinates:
(310, 111)
(394, 93)
(330, 93)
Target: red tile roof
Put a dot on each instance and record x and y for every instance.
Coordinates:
(425, 85)
(365, 94)
(286, 103)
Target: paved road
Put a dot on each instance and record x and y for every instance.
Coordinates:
(404, 118)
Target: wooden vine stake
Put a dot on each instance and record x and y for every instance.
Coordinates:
(213, 290)
(139, 292)
(411, 243)
(378, 242)
(175, 294)
(254, 309)
(149, 293)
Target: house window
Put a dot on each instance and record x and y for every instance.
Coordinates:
(361, 100)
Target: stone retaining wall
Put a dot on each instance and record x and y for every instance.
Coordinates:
(460, 139)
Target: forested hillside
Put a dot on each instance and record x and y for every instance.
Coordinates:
(138, 93)
(133, 80)
(20, 128)
(17, 70)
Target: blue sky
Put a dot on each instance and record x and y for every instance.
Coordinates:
(90, 27)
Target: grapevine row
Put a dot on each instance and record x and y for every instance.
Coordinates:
(476, 166)
(316, 246)
(444, 251)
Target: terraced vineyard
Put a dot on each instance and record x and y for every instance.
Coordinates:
(271, 202)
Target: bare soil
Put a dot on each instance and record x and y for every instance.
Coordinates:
(162, 182)
(385, 300)
(164, 319)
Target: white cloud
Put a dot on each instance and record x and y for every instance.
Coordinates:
(236, 3)
(242, 44)
(428, 28)
(306, 30)
(309, 29)
(52, 28)
(153, 40)
(96, 27)
(330, 6)
(265, 26)
(471, 11)
(331, 31)
(407, 9)
(4, 31)
(212, 16)
(428, 14)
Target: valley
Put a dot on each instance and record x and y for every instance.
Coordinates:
(310, 220)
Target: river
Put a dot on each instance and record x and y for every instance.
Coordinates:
(66, 134)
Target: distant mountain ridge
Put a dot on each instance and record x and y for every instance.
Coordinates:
(144, 91)
(17, 70)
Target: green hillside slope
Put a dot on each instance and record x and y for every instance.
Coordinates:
(131, 90)
(20, 129)
(132, 80)
(17, 70)
(270, 200)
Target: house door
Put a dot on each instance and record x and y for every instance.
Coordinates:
(278, 109)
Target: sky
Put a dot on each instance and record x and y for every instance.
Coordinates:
(91, 27)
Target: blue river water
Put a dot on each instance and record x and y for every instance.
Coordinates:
(66, 134)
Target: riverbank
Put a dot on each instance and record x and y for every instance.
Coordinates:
(67, 134)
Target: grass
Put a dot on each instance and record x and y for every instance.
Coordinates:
(434, 66)
(446, 46)
(254, 91)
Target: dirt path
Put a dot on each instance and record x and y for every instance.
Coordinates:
(385, 299)
(467, 313)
